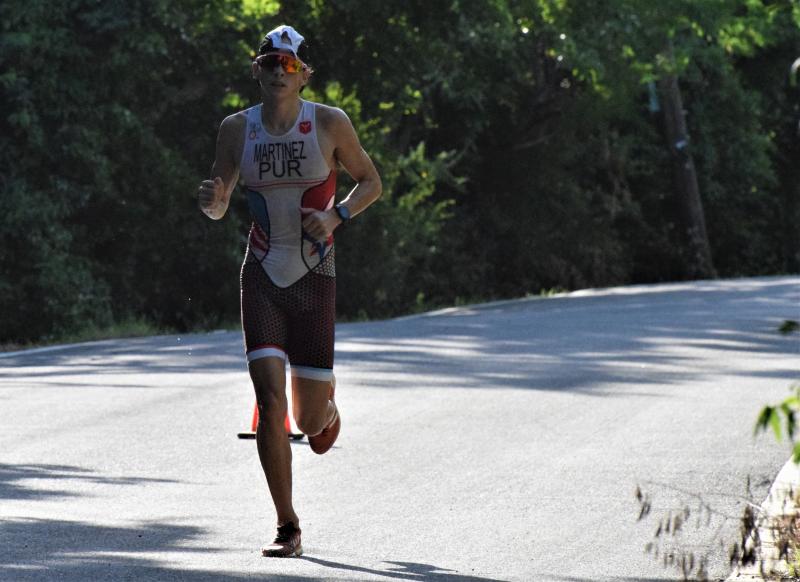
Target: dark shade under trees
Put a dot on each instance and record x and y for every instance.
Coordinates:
(523, 145)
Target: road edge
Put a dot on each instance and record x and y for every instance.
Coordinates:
(780, 502)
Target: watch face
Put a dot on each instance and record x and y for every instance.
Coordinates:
(343, 212)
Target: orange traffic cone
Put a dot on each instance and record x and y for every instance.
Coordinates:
(254, 427)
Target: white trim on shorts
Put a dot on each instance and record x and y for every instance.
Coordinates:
(265, 352)
(321, 374)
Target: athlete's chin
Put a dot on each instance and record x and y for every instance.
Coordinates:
(274, 90)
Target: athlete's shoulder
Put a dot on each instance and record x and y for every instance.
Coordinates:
(230, 138)
(234, 121)
(332, 119)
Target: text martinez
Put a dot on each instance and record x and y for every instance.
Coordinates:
(279, 159)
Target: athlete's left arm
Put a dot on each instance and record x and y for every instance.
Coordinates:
(347, 151)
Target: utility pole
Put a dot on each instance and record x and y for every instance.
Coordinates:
(792, 193)
(687, 190)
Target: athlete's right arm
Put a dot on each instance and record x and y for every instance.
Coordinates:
(214, 194)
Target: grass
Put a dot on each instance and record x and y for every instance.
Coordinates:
(131, 327)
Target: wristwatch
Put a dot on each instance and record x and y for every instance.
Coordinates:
(343, 212)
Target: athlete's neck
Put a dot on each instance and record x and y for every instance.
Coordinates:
(278, 115)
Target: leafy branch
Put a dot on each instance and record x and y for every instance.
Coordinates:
(782, 419)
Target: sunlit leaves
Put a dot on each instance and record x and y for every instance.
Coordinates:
(260, 8)
(234, 101)
(641, 30)
(782, 418)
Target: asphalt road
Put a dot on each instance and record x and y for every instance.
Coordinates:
(495, 442)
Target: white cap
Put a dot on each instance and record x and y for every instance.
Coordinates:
(284, 38)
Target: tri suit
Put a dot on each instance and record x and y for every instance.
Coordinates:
(288, 279)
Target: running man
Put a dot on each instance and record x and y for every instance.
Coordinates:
(287, 150)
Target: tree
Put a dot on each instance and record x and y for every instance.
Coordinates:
(517, 142)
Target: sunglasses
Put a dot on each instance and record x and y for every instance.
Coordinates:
(288, 63)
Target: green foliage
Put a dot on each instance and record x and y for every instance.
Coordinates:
(789, 326)
(782, 419)
(400, 231)
(516, 141)
(99, 223)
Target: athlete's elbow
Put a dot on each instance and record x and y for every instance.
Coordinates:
(378, 188)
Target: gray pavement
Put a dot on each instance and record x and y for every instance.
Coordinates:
(494, 442)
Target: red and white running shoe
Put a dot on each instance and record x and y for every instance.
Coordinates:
(286, 544)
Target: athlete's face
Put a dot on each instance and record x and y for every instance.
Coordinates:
(280, 73)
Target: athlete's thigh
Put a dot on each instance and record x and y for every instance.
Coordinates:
(311, 327)
(264, 324)
(310, 347)
(310, 352)
(264, 320)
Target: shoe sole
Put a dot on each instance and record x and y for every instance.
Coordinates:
(298, 551)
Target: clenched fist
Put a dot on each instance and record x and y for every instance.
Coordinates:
(319, 224)
(210, 196)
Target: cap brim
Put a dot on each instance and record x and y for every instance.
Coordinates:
(281, 51)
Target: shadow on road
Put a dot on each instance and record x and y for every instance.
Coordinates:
(576, 343)
(13, 478)
(582, 343)
(405, 571)
(73, 551)
(153, 355)
(556, 578)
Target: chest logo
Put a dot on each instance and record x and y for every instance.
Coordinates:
(305, 126)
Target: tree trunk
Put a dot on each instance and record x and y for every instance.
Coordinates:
(686, 189)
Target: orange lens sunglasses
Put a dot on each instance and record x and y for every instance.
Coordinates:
(288, 63)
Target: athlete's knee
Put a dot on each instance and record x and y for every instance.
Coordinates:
(310, 423)
(269, 383)
(272, 407)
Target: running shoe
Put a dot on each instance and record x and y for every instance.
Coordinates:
(286, 544)
(322, 442)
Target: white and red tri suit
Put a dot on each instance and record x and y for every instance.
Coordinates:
(288, 309)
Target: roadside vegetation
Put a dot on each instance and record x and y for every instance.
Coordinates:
(123, 329)
(768, 544)
(593, 144)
